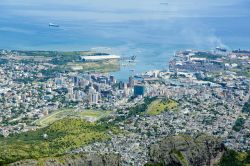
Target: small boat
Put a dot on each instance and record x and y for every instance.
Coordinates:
(53, 25)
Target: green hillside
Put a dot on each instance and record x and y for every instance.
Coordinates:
(62, 135)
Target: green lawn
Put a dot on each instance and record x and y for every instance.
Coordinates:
(91, 115)
(94, 113)
(101, 66)
(159, 106)
(63, 135)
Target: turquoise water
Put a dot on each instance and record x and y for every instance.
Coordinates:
(148, 29)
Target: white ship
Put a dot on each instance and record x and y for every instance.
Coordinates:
(53, 25)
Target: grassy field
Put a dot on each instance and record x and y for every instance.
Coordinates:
(89, 115)
(159, 106)
(62, 136)
(102, 66)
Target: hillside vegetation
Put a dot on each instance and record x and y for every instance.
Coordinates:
(54, 140)
(159, 106)
(93, 159)
(234, 158)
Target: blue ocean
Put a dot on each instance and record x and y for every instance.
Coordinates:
(152, 30)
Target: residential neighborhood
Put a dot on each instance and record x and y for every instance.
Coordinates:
(202, 92)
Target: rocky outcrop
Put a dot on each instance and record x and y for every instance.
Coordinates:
(84, 159)
(184, 150)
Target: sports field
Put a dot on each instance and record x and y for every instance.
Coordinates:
(89, 115)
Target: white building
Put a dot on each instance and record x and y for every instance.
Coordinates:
(100, 57)
(94, 98)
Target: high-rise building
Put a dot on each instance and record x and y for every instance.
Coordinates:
(91, 89)
(76, 81)
(131, 81)
(58, 81)
(83, 83)
(125, 86)
(121, 85)
(139, 90)
(97, 87)
(77, 95)
(112, 79)
(94, 98)
(70, 91)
